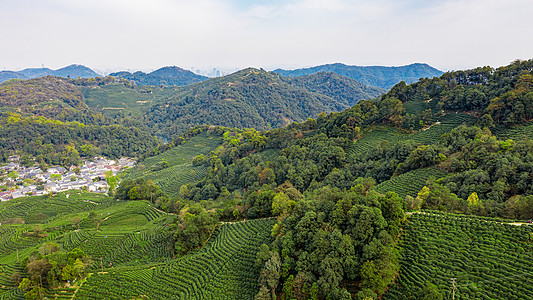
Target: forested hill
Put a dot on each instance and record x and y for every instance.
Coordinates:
(7, 75)
(341, 88)
(45, 96)
(47, 120)
(168, 76)
(378, 76)
(249, 98)
(72, 71)
(503, 95)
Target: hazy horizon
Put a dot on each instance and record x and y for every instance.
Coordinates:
(114, 35)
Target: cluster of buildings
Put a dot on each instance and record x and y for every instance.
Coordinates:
(91, 176)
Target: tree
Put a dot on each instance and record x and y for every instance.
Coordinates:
(414, 204)
(55, 177)
(474, 204)
(282, 205)
(269, 277)
(13, 175)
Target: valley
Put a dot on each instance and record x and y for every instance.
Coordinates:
(259, 186)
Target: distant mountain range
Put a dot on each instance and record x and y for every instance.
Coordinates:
(169, 76)
(378, 76)
(72, 71)
(256, 98)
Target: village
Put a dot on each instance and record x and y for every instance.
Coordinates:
(32, 181)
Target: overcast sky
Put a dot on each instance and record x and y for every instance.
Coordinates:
(148, 34)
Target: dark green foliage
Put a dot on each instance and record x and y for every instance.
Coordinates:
(338, 87)
(334, 236)
(194, 231)
(58, 143)
(504, 93)
(139, 189)
(248, 98)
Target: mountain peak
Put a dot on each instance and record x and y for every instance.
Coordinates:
(168, 75)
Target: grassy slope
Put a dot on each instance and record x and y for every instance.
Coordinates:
(180, 159)
(490, 260)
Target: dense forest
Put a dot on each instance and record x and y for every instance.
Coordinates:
(257, 99)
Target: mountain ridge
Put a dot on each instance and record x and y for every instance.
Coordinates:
(169, 75)
(377, 76)
(72, 71)
(247, 98)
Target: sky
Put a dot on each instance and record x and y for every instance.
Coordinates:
(145, 35)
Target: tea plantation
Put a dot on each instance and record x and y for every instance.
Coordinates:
(174, 168)
(488, 258)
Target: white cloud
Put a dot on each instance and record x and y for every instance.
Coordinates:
(149, 34)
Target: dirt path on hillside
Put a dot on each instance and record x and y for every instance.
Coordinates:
(509, 223)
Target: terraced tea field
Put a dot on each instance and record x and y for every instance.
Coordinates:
(409, 183)
(223, 269)
(428, 136)
(490, 260)
(180, 170)
(115, 98)
(113, 233)
(518, 133)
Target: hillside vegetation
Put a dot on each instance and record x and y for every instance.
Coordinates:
(72, 71)
(176, 167)
(168, 76)
(341, 88)
(489, 259)
(249, 98)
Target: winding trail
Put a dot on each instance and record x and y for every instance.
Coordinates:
(509, 223)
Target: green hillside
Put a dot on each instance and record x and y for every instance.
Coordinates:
(341, 88)
(250, 98)
(317, 209)
(112, 233)
(489, 259)
(173, 168)
(117, 99)
(169, 76)
(129, 241)
(428, 135)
